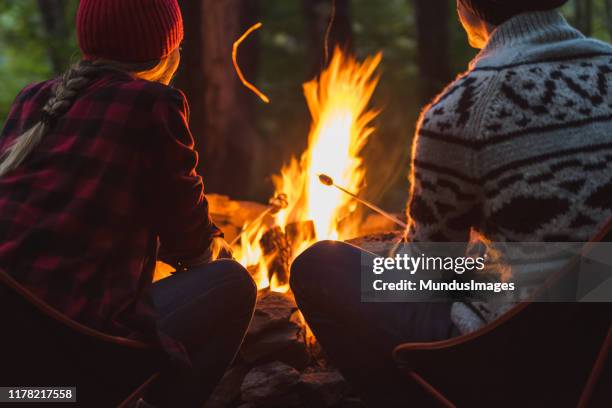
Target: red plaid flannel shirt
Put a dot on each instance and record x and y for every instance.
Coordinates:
(81, 218)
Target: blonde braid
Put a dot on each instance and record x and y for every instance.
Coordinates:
(64, 93)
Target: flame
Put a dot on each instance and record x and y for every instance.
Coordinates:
(338, 102)
(341, 124)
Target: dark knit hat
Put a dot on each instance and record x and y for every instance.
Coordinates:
(498, 11)
(129, 30)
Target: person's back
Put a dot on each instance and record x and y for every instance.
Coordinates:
(520, 146)
(519, 149)
(80, 217)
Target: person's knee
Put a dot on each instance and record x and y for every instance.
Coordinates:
(314, 264)
(243, 286)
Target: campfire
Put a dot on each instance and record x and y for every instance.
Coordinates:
(310, 210)
(317, 197)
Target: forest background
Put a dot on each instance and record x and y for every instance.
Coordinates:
(242, 141)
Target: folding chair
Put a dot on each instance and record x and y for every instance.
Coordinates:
(42, 347)
(536, 355)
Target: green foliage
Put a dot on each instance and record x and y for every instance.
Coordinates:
(24, 47)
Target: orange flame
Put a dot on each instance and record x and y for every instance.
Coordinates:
(341, 124)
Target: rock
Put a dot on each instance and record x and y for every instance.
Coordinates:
(286, 344)
(277, 333)
(273, 310)
(269, 382)
(379, 244)
(231, 215)
(228, 389)
(324, 388)
(351, 402)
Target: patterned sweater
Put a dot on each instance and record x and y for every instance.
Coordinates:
(519, 147)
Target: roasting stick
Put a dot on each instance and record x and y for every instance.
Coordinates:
(277, 203)
(328, 181)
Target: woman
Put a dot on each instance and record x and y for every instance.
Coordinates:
(97, 170)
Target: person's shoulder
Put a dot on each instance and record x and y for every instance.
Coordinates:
(552, 94)
(153, 89)
(456, 110)
(151, 96)
(34, 90)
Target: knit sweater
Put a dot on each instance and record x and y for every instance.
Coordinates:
(519, 147)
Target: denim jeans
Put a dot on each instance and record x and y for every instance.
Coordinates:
(208, 309)
(360, 337)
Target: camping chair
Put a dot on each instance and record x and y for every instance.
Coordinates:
(536, 355)
(41, 347)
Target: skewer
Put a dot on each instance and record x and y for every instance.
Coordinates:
(277, 203)
(328, 181)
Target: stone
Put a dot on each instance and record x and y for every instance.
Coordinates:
(379, 244)
(351, 402)
(231, 215)
(286, 344)
(324, 388)
(228, 389)
(269, 382)
(273, 310)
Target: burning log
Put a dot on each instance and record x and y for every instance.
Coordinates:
(299, 232)
(279, 246)
(276, 247)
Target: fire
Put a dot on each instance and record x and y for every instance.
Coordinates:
(341, 124)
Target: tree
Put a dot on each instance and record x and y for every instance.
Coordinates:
(318, 14)
(433, 58)
(54, 18)
(221, 108)
(608, 10)
(583, 16)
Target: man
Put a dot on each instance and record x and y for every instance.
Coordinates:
(518, 148)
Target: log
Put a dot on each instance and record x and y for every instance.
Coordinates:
(274, 245)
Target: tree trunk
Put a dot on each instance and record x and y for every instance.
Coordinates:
(192, 68)
(317, 16)
(53, 13)
(221, 108)
(433, 58)
(608, 8)
(583, 16)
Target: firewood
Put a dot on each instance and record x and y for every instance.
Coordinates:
(275, 247)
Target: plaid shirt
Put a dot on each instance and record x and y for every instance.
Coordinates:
(81, 218)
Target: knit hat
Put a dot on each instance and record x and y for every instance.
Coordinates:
(498, 11)
(129, 30)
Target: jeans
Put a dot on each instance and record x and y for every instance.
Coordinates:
(360, 337)
(208, 309)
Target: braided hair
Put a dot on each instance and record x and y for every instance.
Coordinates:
(78, 77)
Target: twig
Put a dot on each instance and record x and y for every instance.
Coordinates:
(246, 83)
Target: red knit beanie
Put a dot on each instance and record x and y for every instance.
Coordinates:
(129, 30)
